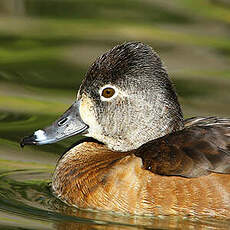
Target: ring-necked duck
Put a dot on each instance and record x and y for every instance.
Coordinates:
(143, 157)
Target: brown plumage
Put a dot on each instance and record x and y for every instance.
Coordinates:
(150, 161)
(202, 147)
(91, 176)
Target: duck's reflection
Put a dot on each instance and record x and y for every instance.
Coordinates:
(85, 220)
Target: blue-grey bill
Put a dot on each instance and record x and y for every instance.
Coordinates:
(69, 124)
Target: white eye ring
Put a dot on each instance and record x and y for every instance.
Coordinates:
(109, 87)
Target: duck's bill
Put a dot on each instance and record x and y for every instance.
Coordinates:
(69, 124)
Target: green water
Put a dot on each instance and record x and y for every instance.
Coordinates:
(45, 49)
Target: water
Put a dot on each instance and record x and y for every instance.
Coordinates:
(45, 49)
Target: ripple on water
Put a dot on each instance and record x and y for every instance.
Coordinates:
(26, 196)
(14, 126)
(20, 121)
(13, 117)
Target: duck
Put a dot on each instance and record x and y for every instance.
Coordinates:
(139, 155)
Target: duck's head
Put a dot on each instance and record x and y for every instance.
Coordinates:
(125, 100)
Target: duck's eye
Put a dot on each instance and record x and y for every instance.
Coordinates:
(108, 92)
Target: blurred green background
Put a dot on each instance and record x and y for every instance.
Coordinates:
(46, 47)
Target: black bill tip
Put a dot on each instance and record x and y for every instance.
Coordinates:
(28, 141)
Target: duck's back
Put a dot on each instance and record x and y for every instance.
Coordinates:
(202, 147)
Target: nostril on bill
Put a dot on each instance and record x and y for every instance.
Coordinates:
(62, 121)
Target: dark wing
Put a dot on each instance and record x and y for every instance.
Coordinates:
(202, 147)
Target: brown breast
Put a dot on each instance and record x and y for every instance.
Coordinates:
(91, 176)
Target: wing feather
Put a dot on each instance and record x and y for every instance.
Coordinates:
(202, 147)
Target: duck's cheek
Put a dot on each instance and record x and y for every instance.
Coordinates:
(88, 116)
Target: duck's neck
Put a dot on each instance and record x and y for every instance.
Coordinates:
(163, 114)
(147, 126)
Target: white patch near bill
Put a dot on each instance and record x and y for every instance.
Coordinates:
(40, 135)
